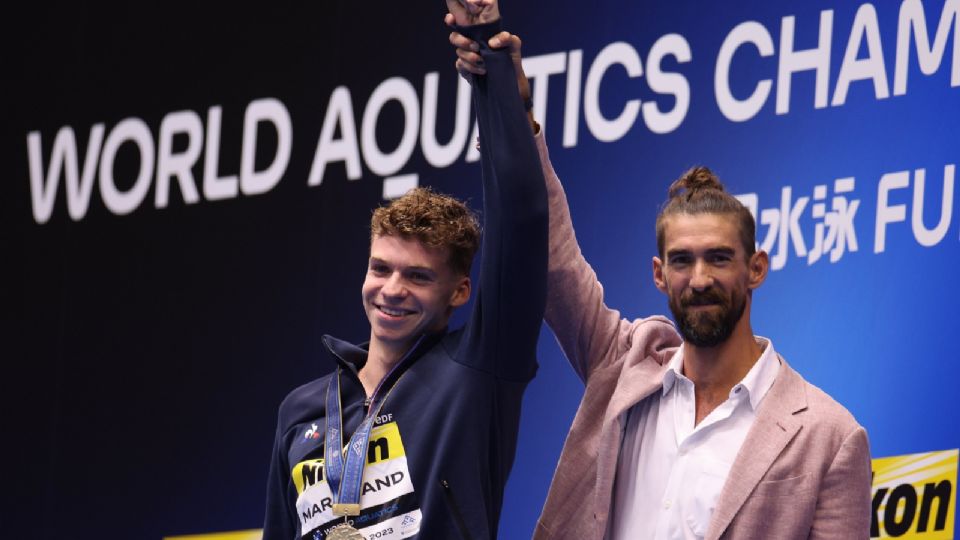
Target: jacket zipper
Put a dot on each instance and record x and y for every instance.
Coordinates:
(455, 510)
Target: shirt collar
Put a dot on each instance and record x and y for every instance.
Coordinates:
(674, 370)
(756, 382)
(760, 378)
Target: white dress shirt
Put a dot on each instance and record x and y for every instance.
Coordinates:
(670, 473)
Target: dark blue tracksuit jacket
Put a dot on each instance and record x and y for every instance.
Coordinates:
(444, 444)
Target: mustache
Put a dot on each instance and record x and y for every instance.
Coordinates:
(702, 298)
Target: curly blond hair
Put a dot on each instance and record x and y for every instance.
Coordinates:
(434, 219)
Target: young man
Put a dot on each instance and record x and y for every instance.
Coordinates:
(708, 436)
(414, 434)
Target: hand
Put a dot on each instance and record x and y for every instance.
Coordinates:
(471, 12)
(470, 61)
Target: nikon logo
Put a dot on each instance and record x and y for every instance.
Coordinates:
(913, 496)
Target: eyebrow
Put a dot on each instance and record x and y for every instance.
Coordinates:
(377, 260)
(724, 250)
(423, 269)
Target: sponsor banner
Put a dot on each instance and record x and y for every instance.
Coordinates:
(914, 496)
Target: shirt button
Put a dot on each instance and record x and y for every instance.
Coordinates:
(666, 504)
(737, 390)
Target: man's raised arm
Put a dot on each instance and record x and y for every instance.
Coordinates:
(505, 323)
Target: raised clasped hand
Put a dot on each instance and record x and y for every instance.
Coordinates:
(471, 12)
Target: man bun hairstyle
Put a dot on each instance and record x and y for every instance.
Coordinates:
(434, 219)
(696, 179)
(699, 191)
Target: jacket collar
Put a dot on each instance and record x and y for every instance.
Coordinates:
(354, 357)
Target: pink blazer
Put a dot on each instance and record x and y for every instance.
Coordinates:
(803, 471)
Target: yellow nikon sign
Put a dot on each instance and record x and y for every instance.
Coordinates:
(914, 496)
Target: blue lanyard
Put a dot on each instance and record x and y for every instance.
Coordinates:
(344, 470)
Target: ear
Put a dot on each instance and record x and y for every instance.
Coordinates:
(658, 278)
(461, 292)
(759, 265)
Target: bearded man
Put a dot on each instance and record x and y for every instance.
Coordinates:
(710, 436)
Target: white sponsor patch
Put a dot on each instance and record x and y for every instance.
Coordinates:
(388, 509)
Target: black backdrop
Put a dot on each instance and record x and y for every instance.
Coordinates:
(145, 354)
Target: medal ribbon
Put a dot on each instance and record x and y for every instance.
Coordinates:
(344, 469)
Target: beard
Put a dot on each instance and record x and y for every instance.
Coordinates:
(707, 328)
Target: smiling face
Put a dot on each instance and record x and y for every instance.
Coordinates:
(410, 289)
(707, 276)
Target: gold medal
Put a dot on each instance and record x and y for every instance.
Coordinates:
(346, 509)
(344, 532)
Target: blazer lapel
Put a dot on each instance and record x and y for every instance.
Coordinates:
(774, 427)
(635, 382)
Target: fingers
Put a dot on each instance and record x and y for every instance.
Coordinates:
(468, 59)
(505, 39)
(462, 70)
(460, 41)
(464, 67)
(473, 6)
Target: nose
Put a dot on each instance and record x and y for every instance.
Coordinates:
(701, 278)
(393, 287)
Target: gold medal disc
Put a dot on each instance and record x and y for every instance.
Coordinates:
(344, 532)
